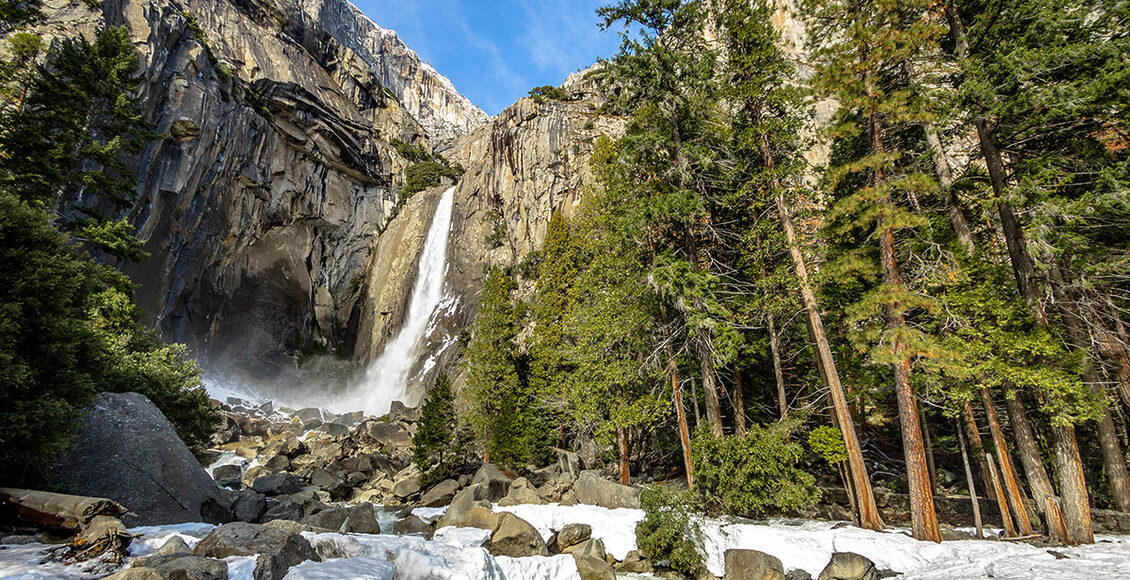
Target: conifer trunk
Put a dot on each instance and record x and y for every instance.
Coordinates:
(625, 472)
(775, 349)
(739, 403)
(1008, 474)
(1002, 505)
(705, 349)
(969, 483)
(1073, 485)
(861, 482)
(931, 469)
(978, 447)
(923, 517)
(1029, 452)
(680, 412)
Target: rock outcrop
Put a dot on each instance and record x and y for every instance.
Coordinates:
(126, 450)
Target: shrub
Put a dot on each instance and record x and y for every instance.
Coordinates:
(669, 531)
(551, 93)
(425, 174)
(751, 475)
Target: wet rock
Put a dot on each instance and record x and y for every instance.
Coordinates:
(333, 429)
(126, 450)
(413, 526)
(516, 538)
(592, 489)
(494, 482)
(752, 565)
(277, 484)
(388, 435)
(186, 567)
(136, 574)
(441, 493)
(849, 566)
(400, 412)
(278, 549)
(308, 414)
(349, 420)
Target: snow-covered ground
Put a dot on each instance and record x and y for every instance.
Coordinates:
(457, 552)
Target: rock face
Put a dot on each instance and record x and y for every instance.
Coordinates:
(752, 565)
(127, 451)
(273, 175)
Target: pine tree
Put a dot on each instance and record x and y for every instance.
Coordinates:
(863, 67)
(433, 445)
(767, 172)
(500, 409)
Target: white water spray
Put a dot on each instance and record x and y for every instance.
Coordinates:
(387, 378)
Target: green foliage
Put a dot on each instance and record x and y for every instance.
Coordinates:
(435, 448)
(550, 93)
(499, 407)
(828, 442)
(669, 531)
(68, 326)
(752, 475)
(16, 13)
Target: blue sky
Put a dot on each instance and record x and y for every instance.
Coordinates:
(496, 51)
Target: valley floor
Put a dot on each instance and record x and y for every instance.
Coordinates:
(800, 544)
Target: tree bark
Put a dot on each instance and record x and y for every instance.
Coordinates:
(969, 482)
(775, 349)
(945, 181)
(1113, 459)
(705, 348)
(739, 403)
(1002, 505)
(1008, 475)
(861, 481)
(680, 412)
(1069, 471)
(1027, 449)
(625, 473)
(978, 446)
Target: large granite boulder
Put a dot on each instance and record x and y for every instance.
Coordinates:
(516, 538)
(593, 489)
(752, 565)
(277, 549)
(849, 566)
(126, 450)
(495, 483)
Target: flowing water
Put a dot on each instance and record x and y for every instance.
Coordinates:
(388, 378)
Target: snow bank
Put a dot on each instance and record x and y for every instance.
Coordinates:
(615, 527)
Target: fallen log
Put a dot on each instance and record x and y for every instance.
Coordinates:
(92, 524)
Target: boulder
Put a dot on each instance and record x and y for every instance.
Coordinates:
(568, 463)
(331, 482)
(389, 435)
(495, 483)
(358, 519)
(593, 489)
(752, 565)
(516, 538)
(308, 414)
(590, 568)
(441, 493)
(126, 450)
(407, 486)
(635, 564)
(248, 506)
(277, 484)
(333, 429)
(174, 545)
(276, 464)
(849, 566)
(136, 573)
(292, 507)
(187, 567)
(521, 492)
(461, 504)
(413, 526)
(349, 420)
(797, 574)
(591, 547)
(482, 518)
(227, 472)
(401, 412)
(278, 549)
(571, 535)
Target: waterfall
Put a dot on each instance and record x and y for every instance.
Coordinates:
(387, 378)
